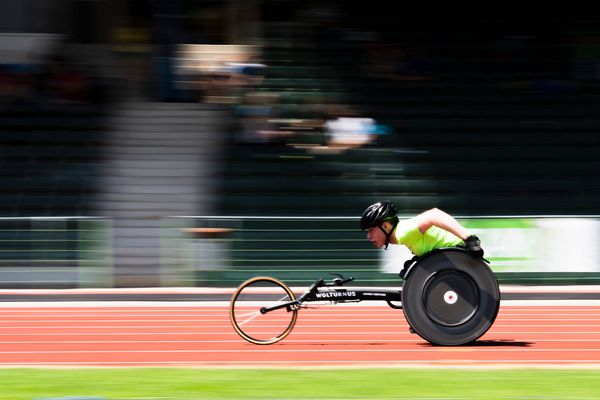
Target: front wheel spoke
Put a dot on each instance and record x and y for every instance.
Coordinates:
(249, 317)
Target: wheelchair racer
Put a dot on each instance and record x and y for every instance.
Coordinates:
(430, 230)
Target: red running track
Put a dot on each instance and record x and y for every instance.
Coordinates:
(201, 335)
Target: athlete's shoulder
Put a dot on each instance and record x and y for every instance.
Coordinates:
(406, 228)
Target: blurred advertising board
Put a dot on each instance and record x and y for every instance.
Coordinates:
(529, 244)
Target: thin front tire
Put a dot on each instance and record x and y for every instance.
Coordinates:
(246, 316)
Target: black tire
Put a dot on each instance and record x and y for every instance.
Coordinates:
(450, 297)
(245, 310)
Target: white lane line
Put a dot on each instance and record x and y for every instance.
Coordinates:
(281, 349)
(553, 318)
(4, 309)
(112, 313)
(521, 335)
(302, 318)
(500, 320)
(366, 342)
(225, 315)
(100, 321)
(328, 364)
(210, 306)
(295, 333)
(219, 304)
(231, 332)
(546, 303)
(466, 364)
(540, 313)
(303, 327)
(111, 310)
(341, 311)
(49, 315)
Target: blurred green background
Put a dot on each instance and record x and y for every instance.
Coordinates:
(119, 118)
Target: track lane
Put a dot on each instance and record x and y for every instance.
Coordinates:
(332, 335)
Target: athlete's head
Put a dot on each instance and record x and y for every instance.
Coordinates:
(379, 220)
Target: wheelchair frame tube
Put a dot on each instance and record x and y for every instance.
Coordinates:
(341, 295)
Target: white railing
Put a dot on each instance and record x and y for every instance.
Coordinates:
(68, 252)
(223, 250)
(47, 252)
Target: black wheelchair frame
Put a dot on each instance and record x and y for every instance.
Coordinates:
(449, 297)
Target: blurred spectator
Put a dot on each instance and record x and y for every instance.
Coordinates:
(132, 47)
(585, 58)
(390, 61)
(229, 81)
(16, 84)
(57, 81)
(257, 120)
(64, 83)
(346, 129)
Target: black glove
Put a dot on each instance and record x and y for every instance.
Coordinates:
(473, 245)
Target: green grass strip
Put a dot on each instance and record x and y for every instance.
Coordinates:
(388, 383)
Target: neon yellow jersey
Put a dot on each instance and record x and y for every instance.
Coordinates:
(408, 234)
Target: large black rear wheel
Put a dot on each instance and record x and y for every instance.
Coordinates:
(450, 297)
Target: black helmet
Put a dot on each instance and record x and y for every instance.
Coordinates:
(376, 214)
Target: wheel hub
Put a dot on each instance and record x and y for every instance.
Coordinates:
(450, 297)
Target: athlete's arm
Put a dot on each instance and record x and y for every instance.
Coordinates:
(437, 217)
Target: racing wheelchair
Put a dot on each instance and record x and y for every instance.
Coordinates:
(449, 297)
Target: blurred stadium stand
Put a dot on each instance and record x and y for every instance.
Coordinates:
(51, 161)
(478, 112)
(51, 158)
(487, 113)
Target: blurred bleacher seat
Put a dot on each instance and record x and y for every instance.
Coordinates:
(51, 158)
(487, 116)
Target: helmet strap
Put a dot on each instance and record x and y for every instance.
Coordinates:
(388, 234)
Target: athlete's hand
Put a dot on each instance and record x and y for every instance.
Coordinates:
(474, 246)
